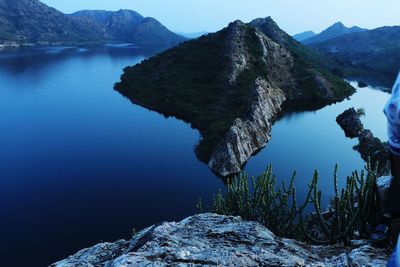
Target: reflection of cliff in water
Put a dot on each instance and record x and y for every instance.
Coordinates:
(37, 58)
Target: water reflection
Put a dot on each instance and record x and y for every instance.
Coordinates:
(19, 60)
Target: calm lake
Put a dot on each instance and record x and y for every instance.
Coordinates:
(80, 164)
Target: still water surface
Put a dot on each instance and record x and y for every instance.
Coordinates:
(80, 164)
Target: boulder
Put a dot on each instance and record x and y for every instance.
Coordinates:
(350, 122)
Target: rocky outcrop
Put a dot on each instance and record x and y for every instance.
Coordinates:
(350, 122)
(324, 87)
(370, 147)
(236, 43)
(214, 240)
(247, 136)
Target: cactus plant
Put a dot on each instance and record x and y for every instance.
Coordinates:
(353, 209)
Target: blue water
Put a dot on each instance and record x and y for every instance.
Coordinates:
(80, 164)
(308, 141)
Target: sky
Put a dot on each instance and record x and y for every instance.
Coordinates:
(293, 16)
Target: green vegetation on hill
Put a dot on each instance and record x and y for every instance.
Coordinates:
(373, 53)
(189, 82)
(192, 80)
(32, 22)
(307, 63)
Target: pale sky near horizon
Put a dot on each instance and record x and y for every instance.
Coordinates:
(293, 16)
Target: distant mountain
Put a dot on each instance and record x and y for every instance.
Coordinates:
(336, 30)
(304, 35)
(128, 25)
(230, 85)
(192, 35)
(31, 21)
(374, 52)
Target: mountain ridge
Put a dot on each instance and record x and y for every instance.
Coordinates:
(33, 22)
(374, 53)
(304, 35)
(335, 30)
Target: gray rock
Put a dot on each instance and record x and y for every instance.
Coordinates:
(214, 240)
(237, 43)
(247, 136)
(324, 87)
(350, 122)
(373, 149)
(370, 147)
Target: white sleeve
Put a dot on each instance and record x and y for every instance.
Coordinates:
(398, 253)
(392, 111)
(392, 108)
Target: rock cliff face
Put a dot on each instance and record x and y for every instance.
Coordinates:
(213, 240)
(247, 136)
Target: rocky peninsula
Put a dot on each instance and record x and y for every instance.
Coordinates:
(231, 85)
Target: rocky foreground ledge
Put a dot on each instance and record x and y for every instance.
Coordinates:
(215, 240)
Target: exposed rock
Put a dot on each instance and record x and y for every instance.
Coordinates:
(350, 122)
(246, 137)
(373, 149)
(214, 240)
(362, 84)
(96, 255)
(324, 87)
(239, 60)
(370, 147)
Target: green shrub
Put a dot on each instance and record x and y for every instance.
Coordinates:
(361, 112)
(351, 212)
